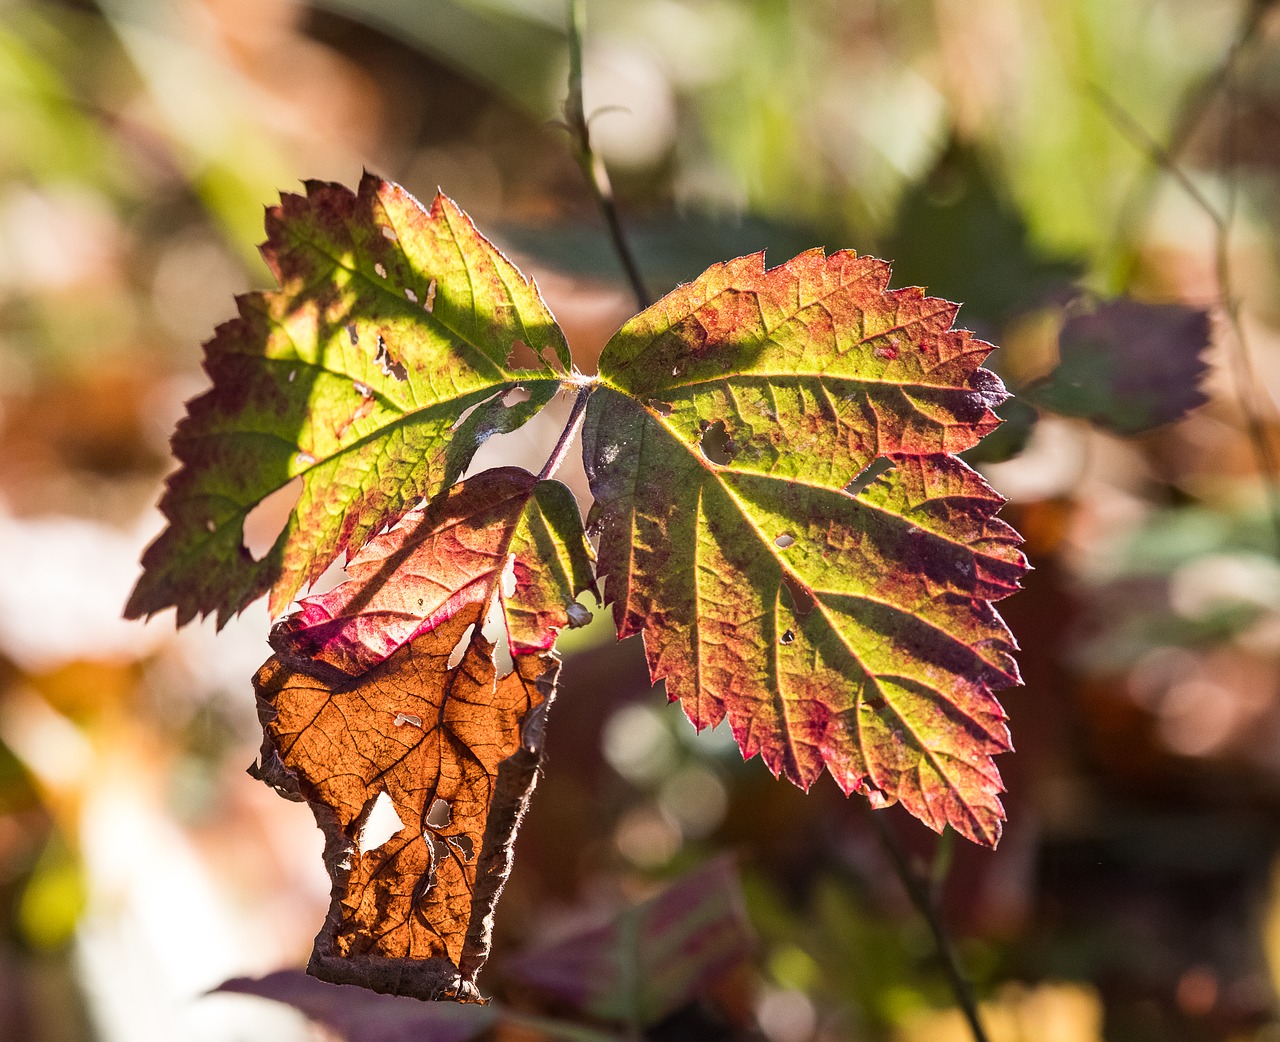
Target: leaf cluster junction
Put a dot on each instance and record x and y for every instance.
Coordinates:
(779, 511)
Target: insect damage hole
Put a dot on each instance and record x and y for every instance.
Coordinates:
(784, 540)
(801, 596)
(716, 445)
(788, 637)
(390, 367)
(873, 470)
(495, 629)
(265, 523)
(460, 649)
(440, 814)
(381, 822)
(515, 396)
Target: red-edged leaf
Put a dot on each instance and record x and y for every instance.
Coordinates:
(391, 322)
(839, 616)
(444, 557)
(654, 957)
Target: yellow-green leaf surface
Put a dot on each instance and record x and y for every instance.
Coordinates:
(372, 374)
(781, 514)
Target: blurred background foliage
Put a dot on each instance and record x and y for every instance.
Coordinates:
(1031, 159)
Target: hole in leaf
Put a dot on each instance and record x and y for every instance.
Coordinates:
(788, 636)
(784, 540)
(802, 601)
(460, 649)
(522, 356)
(390, 367)
(353, 333)
(870, 472)
(293, 375)
(509, 577)
(440, 814)
(381, 822)
(363, 390)
(439, 849)
(495, 631)
(407, 720)
(466, 413)
(410, 295)
(382, 272)
(515, 396)
(463, 846)
(661, 408)
(304, 459)
(390, 233)
(430, 302)
(716, 445)
(579, 615)
(265, 522)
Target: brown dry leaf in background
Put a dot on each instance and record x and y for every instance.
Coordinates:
(456, 751)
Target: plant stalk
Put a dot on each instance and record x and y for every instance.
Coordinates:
(1239, 358)
(592, 165)
(920, 893)
(576, 415)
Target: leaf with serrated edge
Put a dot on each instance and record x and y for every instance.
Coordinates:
(391, 322)
(456, 750)
(835, 625)
(443, 557)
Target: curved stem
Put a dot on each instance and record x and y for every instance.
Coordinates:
(1239, 358)
(921, 897)
(571, 427)
(592, 165)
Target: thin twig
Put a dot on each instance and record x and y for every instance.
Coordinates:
(921, 897)
(592, 165)
(576, 416)
(1239, 357)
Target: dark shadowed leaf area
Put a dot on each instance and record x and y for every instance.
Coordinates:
(654, 957)
(1128, 366)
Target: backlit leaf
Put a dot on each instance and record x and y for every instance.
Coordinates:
(455, 750)
(356, 376)
(782, 515)
(502, 527)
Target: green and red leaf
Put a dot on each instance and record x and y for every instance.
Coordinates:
(502, 533)
(782, 515)
(372, 374)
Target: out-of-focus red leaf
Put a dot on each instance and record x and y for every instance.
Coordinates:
(654, 957)
(357, 1015)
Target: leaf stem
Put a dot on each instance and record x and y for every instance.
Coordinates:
(920, 893)
(592, 165)
(576, 415)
